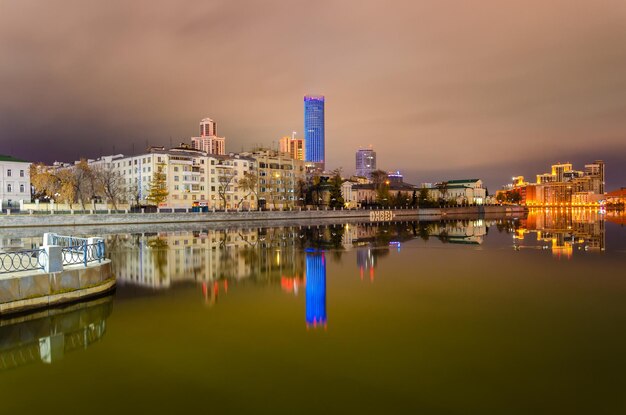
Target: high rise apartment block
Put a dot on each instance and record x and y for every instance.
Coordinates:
(292, 146)
(365, 162)
(208, 141)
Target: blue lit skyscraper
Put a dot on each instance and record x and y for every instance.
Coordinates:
(314, 129)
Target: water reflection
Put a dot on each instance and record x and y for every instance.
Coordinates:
(49, 335)
(562, 234)
(315, 289)
(163, 259)
(294, 258)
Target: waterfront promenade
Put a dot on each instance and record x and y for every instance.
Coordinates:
(379, 215)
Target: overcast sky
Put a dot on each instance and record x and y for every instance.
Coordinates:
(441, 89)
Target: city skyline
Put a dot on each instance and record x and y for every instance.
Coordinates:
(448, 97)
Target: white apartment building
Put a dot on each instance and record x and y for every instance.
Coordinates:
(14, 182)
(192, 177)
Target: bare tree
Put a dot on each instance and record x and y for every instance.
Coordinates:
(84, 185)
(133, 194)
(249, 183)
(109, 184)
(225, 177)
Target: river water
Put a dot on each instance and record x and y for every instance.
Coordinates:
(479, 316)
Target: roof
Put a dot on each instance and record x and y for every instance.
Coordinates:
(10, 158)
(463, 181)
(392, 186)
(618, 193)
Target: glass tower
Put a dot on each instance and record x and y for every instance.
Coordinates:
(314, 129)
(365, 162)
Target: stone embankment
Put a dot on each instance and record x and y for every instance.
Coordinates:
(62, 270)
(65, 220)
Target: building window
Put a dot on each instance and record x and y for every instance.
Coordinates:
(9, 187)
(21, 188)
(21, 173)
(8, 172)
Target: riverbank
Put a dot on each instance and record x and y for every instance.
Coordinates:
(68, 220)
(30, 290)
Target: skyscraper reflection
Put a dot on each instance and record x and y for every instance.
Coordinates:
(315, 289)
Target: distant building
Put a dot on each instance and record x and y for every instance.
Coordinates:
(14, 181)
(314, 130)
(365, 162)
(293, 146)
(564, 186)
(367, 194)
(616, 196)
(208, 141)
(350, 197)
(460, 191)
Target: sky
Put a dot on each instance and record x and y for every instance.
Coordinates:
(441, 89)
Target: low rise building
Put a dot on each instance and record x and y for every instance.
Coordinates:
(464, 191)
(14, 182)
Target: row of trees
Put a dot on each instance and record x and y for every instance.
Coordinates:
(82, 184)
(510, 196)
(319, 190)
(79, 184)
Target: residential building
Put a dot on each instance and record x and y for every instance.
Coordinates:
(208, 141)
(314, 130)
(192, 177)
(14, 182)
(365, 162)
(278, 178)
(292, 146)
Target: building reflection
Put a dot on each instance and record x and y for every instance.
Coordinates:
(562, 231)
(161, 260)
(293, 258)
(315, 289)
(49, 335)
